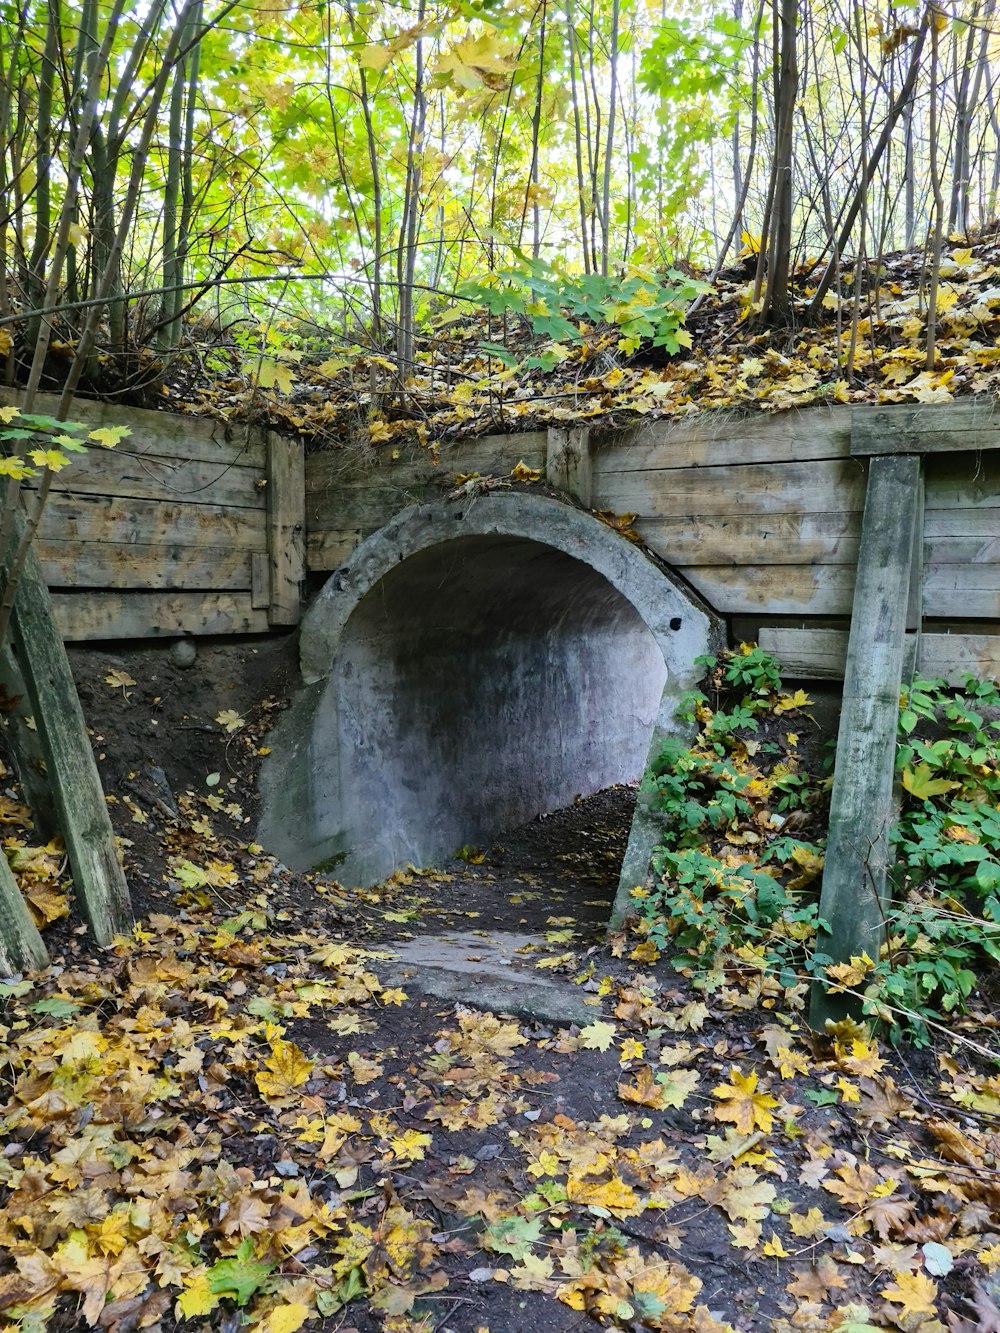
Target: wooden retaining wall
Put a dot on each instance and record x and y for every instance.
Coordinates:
(186, 527)
(762, 515)
(193, 527)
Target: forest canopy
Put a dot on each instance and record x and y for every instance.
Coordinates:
(353, 178)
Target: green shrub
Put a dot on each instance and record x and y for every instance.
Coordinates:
(735, 898)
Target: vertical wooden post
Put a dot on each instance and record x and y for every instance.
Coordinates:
(567, 462)
(286, 527)
(76, 786)
(855, 899)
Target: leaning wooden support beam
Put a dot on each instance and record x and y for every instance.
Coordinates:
(25, 745)
(855, 896)
(76, 787)
(21, 947)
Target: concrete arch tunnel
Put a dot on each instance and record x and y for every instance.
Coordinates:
(474, 664)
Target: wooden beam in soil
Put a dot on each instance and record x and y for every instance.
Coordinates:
(76, 787)
(21, 946)
(26, 744)
(855, 895)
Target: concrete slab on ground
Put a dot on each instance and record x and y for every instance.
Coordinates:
(489, 972)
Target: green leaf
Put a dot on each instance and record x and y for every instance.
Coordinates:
(822, 1096)
(240, 1276)
(56, 1008)
(513, 1235)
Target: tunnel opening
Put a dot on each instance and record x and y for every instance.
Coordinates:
(470, 667)
(482, 682)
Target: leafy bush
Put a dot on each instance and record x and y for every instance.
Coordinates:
(642, 305)
(736, 897)
(945, 926)
(730, 899)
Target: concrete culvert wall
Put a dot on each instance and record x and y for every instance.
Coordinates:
(474, 664)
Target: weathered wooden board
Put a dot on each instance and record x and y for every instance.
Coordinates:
(771, 539)
(106, 565)
(150, 477)
(328, 470)
(568, 464)
(820, 654)
(120, 519)
(907, 428)
(968, 592)
(165, 434)
(286, 523)
(854, 897)
(823, 487)
(138, 615)
(714, 439)
(775, 590)
(803, 539)
(950, 592)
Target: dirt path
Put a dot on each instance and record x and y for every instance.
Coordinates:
(255, 1114)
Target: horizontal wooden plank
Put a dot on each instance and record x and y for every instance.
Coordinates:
(715, 439)
(811, 539)
(771, 539)
(969, 591)
(489, 455)
(122, 519)
(953, 656)
(908, 428)
(148, 477)
(821, 487)
(136, 615)
(165, 434)
(106, 565)
(329, 550)
(821, 653)
(820, 590)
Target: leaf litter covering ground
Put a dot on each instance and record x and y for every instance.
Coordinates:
(866, 344)
(227, 1121)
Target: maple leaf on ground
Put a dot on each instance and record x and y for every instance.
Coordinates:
(285, 1318)
(614, 1194)
(118, 680)
(818, 1281)
(888, 1215)
(856, 1185)
(597, 1036)
(747, 1108)
(914, 1293)
(533, 1273)
(285, 1070)
(807, 1225)
(746, 1198)
(240, 1275)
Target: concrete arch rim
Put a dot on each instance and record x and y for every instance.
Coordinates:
(677, 619)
